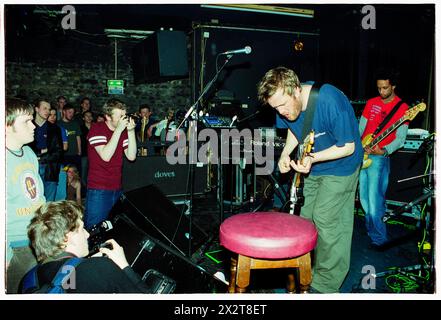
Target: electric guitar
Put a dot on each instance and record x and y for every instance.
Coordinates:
(370, 142)
(296, 193)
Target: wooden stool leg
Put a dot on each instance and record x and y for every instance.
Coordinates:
(291, 286)
(305, 272)
(243, 273)
(233, 271)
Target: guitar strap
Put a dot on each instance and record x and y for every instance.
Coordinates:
(388, 117)
(310, 110)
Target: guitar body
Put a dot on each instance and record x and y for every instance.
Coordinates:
(296, 195)
(369, 140)
(366, 141)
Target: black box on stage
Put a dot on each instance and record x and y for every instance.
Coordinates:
(172, 180)
(158, 283)
(160, 57)
(159, 217)
(168, 269)
(403, 165)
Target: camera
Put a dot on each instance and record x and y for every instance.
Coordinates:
(133, 116)
(106, 245)
(98, 235)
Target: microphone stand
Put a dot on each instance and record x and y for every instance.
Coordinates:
(193, 142)
(249, 117)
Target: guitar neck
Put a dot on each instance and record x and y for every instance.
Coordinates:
(388, 131)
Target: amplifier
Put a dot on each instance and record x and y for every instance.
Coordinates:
(404, 165)
(412, 144)
(172, 180)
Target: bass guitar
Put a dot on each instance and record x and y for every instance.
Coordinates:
(370, 142)
(296, 193)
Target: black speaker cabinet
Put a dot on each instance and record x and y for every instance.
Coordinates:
(160, 218)
(147, 254)
(161, 57)
(403, 165)
(172, 180)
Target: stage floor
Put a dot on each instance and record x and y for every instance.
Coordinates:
(402, 252)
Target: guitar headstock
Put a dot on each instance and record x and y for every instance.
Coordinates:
(412, 112)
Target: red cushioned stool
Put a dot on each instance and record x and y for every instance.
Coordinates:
(268, 240)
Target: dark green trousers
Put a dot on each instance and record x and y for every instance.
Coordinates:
(329, 203)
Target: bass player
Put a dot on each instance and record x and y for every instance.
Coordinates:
(375, 178)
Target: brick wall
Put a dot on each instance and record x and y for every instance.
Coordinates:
(50, 79)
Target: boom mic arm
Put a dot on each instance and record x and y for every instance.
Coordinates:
(407, 206)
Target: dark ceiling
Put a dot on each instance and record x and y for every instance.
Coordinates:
(26, 19)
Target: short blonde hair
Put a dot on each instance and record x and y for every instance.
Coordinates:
(113, 104)
(274, 79)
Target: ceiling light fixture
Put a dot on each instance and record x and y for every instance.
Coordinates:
(124, 33)
(262, 8)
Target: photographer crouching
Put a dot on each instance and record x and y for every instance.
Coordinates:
(58, 238)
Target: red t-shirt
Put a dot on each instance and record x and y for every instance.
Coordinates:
(105, 175)
(375, 111)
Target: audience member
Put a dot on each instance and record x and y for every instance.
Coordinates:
(108, 142)
(24, 190)
(53, 119)
(48, 147)
(85, 127)
(57, 234)
(73, 184)
(73, 130)
(61, 102)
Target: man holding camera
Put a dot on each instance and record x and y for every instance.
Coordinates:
(57, 235)
(107, 142)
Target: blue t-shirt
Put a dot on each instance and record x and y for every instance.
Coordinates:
(63, 134)
(41, 136)
(334, 123)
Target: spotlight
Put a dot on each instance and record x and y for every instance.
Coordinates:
(298, 45)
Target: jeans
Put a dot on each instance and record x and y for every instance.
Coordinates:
(50, 190)
(50, 187)
(61, 189)
(373, 187)
(98, 205)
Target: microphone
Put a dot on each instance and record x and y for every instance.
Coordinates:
(246, 50)
(234, 119)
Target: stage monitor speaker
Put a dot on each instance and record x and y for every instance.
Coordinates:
(159, 217)
(403, 165)
(170, 179)
(160, 57)
(147, 254)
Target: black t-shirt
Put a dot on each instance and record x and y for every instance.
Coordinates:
(95, 275)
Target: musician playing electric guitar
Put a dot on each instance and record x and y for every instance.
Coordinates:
(374, 179)
(331, 169)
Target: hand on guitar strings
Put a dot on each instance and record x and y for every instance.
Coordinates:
(375, 150)
(303, 166)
